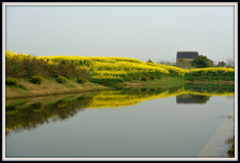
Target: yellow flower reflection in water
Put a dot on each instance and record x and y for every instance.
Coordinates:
(115, 99)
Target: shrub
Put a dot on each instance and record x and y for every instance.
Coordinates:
(81, 80)
(152, 77)
(62, 79)
(26, 66)
(144, 78)
(201, 62)
(11, 81)
(37, 80)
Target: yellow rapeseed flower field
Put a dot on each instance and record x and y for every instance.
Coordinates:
(112, 67)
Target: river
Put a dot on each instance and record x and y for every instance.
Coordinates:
(189, 122)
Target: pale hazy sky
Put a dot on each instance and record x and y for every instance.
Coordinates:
(140, 32)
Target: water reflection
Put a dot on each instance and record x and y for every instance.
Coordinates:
(192, 99)
(27, 114)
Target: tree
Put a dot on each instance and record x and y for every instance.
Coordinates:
(184, 63)
(221, 64)
(150, 61)
(230, 63)
(201, 62)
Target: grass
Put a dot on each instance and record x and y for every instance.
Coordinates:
(20, 86)
(49, 87)
(69, 85)
(165, 80)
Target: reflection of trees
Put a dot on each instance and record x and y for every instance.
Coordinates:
(210, 87)
(38, 107)
(22, 116)
(200, 99)
(11, 110)
(36, 114)
(61, 103)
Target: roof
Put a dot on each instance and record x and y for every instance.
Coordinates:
(187, 54)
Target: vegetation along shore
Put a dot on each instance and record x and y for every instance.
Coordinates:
(28, 75)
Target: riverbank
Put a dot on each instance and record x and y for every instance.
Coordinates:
(26, 89)
(217, 146)
(49, 87)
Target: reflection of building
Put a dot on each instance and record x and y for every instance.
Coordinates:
(185, 99)
(192, 99)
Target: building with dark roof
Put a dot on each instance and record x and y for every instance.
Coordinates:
(189, 55)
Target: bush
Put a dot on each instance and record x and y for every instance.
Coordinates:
(62, 79)
(81, 80)
(201, 62)
(37, 80)
(26, 66)
(152, 77)
(11, 81)
(144, 78)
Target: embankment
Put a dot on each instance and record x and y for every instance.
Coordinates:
(100, 72)
(49, 87)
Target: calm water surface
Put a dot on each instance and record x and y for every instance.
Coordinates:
(129, 123)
